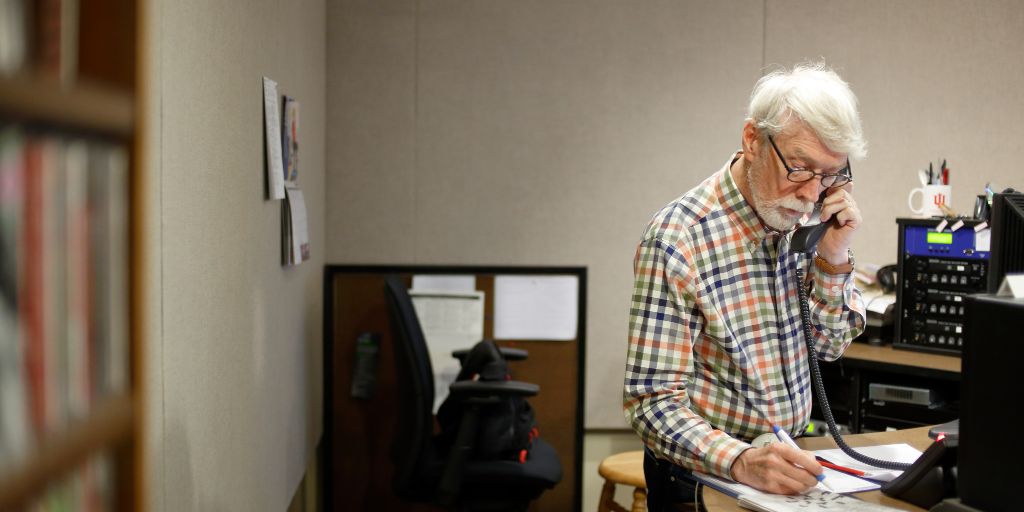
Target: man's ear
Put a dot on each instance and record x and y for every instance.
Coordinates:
(751, 141)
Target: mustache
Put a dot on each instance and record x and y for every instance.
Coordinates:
(792, 203)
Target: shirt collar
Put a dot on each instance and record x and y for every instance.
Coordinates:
(739, 210)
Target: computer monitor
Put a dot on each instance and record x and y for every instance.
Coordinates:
(990, 410)
(1007, 221)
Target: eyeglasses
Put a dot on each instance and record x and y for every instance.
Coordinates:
(799, 175)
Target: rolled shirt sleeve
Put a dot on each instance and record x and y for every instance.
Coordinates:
(660, 363)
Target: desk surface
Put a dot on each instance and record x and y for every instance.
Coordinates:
(888, 355)
(916, 437)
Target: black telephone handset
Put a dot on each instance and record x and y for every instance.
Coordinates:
(805, 239)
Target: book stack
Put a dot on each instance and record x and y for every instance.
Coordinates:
(64, 260)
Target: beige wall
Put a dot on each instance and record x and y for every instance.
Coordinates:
(547, 133)
(233, 339)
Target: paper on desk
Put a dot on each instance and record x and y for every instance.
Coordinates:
(879, 303)
(1012, 286)
(815, 500)
(900, 452)
(846, 484)
(734, 489)
(837, 482)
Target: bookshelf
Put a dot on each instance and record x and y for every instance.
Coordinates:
(70, 410)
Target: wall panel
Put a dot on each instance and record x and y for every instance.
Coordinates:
(239, 335)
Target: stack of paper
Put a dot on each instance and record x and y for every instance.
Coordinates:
(837, 482)
(901, 452)
(814, 500)
(822, 498)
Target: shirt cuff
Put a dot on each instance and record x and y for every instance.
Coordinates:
(721, 455)
(831, 288)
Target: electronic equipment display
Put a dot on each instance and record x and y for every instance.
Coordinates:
(936, 271)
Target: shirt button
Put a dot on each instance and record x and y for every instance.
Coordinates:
(835, 289)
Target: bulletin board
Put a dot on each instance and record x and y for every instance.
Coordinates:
(356, 463)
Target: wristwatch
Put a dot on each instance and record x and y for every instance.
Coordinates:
(828, 268)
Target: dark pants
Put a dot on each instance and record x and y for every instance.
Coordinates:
(669, 487)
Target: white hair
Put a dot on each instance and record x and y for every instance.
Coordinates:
(818, 97)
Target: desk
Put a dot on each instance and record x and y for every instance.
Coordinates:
(847, 381)
(916, 437)
(885, 356)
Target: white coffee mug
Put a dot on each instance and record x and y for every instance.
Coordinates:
(933, 197)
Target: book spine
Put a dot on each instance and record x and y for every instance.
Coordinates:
(31, 292)
(54, 281)
(78, 341)
(15, 425)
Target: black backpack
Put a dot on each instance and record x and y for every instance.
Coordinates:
(507, 428)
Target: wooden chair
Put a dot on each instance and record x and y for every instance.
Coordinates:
(625, 468)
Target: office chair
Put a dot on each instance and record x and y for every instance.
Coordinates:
(426, 470)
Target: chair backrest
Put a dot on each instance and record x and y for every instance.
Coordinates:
(410, 448)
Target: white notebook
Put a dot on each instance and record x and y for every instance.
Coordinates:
(814, 500)
(837, 482)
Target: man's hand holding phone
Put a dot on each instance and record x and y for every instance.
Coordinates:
(839, 206)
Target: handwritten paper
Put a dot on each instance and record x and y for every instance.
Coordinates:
(814, 500)
(837, 482)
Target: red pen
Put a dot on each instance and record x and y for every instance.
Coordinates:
(837, 467)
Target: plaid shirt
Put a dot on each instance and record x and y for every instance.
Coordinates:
(716, 350)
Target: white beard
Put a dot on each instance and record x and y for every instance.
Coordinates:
(771, 210)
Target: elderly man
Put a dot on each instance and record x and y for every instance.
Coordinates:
(716, 352)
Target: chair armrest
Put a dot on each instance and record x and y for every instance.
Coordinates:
(510, 354)
(513, 354)
(465, 389)
(475, 395)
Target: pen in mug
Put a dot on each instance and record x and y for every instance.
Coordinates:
(784, 437)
